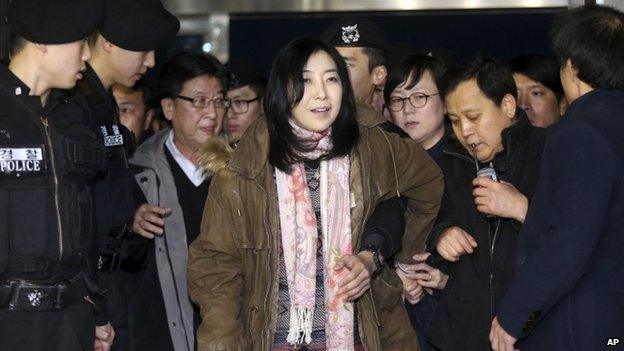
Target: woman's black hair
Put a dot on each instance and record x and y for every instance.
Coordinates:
(186, 65)
(285, 90)
(542, 69)
(592, 38)
(416, 66)
(493, 78)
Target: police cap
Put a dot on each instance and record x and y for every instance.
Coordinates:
(354, 32)
(138, 25)
(244, 71)
(55, 22)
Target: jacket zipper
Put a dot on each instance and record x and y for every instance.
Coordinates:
(492, 242)
(46, 126)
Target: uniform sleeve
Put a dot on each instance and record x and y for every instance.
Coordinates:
(563, 225)
(384, 229)
(215, 276)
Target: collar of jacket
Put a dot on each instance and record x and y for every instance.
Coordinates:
(11, 83)
(513, 137)
(151, 151)
(251, 154)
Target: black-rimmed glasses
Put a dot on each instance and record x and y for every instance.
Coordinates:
(242, 106)
(203, 102)
(418, 100)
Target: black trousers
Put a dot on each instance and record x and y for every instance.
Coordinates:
(72, 328)
(117, 306)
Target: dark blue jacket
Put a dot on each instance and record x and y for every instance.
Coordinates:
(568, 293)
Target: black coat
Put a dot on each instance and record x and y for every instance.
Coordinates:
(569, 288)
(478, 282)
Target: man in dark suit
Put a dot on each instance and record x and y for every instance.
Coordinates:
(568, 293)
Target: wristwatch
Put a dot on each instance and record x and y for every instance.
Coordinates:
(377, 260)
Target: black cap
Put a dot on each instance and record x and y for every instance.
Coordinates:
(55, 21)
(354, 32)
(138, 25)
(244, 71)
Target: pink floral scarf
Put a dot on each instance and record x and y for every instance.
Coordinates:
(299, 243)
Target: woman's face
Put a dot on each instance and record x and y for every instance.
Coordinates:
(322, 96)
(192, 126)
(424, 124)
(539, 102)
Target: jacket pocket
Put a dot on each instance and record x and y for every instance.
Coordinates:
(28, 222)
(387, 290)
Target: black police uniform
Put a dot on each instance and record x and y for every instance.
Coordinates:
(48, 161)
(114, 202)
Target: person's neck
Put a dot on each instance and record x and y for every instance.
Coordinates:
(26, 69)
(101, 67)
(187, 151)
(433, 140)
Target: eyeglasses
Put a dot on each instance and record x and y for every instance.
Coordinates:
(418, 100)
(203, 102)
(242, 106)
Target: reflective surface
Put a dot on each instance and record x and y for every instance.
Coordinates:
(204, 7)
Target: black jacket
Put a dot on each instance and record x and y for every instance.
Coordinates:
(113, 190)
(569, 287)
(477, 281)
(49, 159)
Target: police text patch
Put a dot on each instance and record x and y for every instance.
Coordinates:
(18, 160)
(112, 136)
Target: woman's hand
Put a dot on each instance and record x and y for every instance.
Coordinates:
(360, 270)
(500, 199)
(412, 291)
(149, 220)
(426, 276)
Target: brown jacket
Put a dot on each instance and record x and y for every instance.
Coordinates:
(233, 268)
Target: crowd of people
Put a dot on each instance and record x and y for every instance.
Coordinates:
(356, 198)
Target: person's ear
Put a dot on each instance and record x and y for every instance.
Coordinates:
(106, 45)
(167, 107)
(379, 75)
(563, 105)
(509, 106)
(41, 47)
(149, 117)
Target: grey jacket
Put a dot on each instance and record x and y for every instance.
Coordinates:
(156, 182)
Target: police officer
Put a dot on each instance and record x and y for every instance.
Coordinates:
(363, 46)
(48, 160)
(246, 95)
(122, 51)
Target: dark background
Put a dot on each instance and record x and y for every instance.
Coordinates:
(457, 34)
(451, 34)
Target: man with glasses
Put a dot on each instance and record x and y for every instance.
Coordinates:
(192, 87)
(245, 97)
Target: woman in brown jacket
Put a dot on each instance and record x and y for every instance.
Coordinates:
(278, 264)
